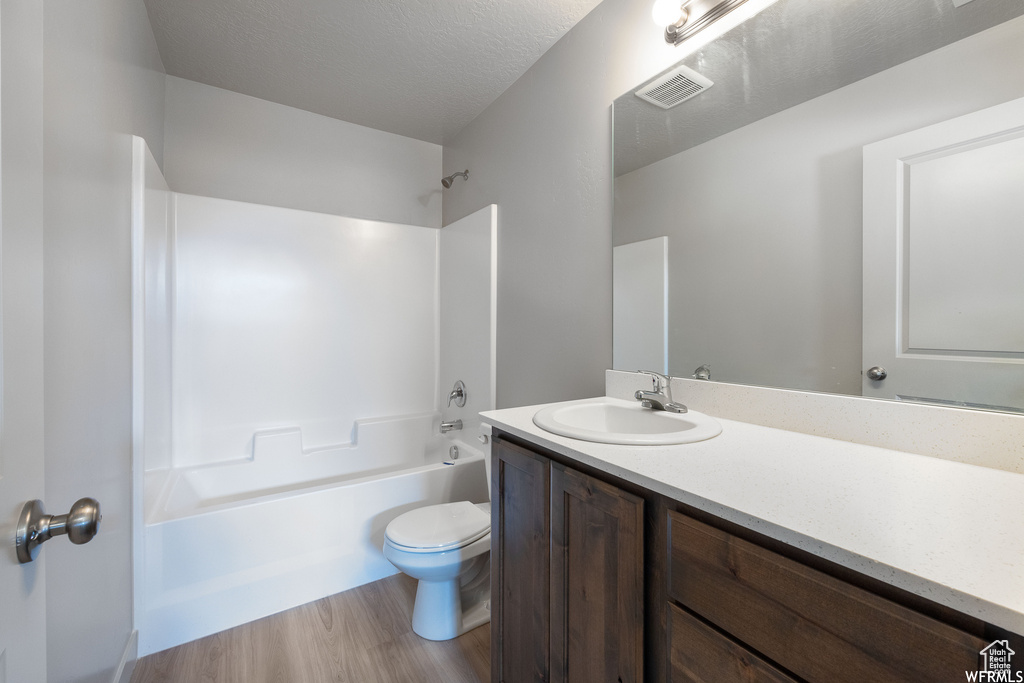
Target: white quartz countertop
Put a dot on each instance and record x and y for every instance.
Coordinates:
(947, 531)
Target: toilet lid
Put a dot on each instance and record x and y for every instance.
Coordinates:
(436, 527)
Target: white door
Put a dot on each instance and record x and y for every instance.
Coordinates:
(640, 306)
(944, 261)
(22, 586)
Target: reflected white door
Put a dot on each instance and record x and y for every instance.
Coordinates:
(22, 587)
(944, 261)
(640, 306)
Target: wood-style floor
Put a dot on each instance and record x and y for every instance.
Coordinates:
(360, 636)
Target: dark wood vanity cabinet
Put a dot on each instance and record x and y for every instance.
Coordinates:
(596, 580)
(520, 565)
(567, 573)
(816, 626)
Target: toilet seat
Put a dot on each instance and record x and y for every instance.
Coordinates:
(439, 528)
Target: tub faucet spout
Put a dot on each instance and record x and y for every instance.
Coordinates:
(451, 426)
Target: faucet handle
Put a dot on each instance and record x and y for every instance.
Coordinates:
(458, 393)
(659, 379)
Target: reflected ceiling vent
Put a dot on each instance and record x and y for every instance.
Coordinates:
(674, 87)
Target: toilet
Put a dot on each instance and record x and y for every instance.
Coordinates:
(446, 548)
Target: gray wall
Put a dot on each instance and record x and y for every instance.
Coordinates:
(764, 223)
(230, 146)
(103, 80)
(542, 153)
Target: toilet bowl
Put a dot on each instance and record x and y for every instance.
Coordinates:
(447, 549)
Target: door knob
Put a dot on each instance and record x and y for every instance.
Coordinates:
(35, 526)
(877, 373)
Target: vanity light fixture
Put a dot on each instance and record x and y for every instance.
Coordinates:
(683, 20)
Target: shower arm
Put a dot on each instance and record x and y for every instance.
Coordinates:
(447, 181)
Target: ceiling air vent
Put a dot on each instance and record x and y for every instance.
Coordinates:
(678, 85)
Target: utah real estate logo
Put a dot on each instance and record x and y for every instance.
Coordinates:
(997, 666)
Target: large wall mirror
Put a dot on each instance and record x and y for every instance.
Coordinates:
(841, 211)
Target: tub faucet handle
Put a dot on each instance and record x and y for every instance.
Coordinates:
(458, 394)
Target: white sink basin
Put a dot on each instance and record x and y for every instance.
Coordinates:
(613, 420)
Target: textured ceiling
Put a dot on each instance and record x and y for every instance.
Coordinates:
(419, 68)
(791, 52)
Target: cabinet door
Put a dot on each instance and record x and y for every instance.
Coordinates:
(596, 580)
(520, 558)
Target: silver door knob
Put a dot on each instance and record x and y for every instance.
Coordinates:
(35, 526)
(877, 373)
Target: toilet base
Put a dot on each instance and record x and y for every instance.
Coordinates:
(438, 615)
(446, 609)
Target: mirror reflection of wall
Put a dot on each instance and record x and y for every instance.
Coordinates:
(765, 221)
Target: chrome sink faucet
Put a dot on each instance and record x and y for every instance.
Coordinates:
(661, 396)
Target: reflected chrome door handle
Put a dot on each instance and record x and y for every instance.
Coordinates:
(35, 526)
(877, 373)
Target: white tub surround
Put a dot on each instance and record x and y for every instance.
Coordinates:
(468, 277)
(283, 317)
(288, 398)
(947, 531)
(280, 464)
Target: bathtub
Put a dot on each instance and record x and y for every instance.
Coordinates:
(228, 543)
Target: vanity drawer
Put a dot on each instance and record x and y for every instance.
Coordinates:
(814, 625)
(699, 654)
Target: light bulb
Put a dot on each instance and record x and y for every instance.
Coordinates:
(666, 12)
